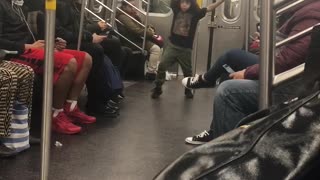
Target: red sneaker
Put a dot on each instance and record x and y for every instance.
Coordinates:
(62, 124)
(77, 116)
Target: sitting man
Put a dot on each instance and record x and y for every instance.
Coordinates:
(98, 85)
(134, 31)
(237, 98)
(71, 68)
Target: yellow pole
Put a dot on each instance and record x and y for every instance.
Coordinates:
(48, 87)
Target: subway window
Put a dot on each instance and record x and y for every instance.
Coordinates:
(232, 9)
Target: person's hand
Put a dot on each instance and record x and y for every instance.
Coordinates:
(98, 38)
(60, 44)
(151, 30)
(237, 75)
(36, 45)
(103, 25)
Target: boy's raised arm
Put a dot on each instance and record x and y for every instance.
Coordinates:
(213, 6)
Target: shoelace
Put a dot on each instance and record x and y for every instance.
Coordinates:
(203, 134)
(195, 80)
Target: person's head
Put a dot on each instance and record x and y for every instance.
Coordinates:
(186, 5)
(128, 8)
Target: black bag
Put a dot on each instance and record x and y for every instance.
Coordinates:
(279, 143)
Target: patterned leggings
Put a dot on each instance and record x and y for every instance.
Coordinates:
(16, 84)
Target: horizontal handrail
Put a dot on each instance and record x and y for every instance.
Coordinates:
(145, 1)
(289, 7)
(114, 30)
(282, 3)
(287, 75)
(296, 36)
(104, 6)
(131, 17)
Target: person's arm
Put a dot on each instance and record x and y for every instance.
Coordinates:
(290, 55)
(6, 44)
(213, 6)
(134, 27)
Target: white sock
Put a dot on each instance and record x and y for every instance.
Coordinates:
(56, 112)
(73, 104)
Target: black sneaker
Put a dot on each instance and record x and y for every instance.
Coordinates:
(104, 111)
(188, 93)
(195, 82)
(156, 92)
(150, 76)
(201, 138)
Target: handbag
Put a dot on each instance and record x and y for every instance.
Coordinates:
(18, 140)
(282, 142)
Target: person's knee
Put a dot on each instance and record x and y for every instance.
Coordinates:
(87, 61)
(155, 49)
(227, 87)
(71, 67)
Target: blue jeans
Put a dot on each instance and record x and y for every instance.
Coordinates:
(237, 59)
(236, 99)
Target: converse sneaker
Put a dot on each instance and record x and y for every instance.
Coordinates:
(62, 124)
(201, 138)
(195, 82)
(156, 92)
(188, 93)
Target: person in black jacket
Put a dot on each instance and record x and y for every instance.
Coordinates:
(71, 68)
(68, 14)
(99, 87)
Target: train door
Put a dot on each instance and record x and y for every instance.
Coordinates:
(255, 9)
(229, 27)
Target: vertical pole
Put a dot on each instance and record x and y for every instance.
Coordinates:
(267, 53)
(113, 14)
(83, 6)
(247, 35)
(48, 87)
(146, 25)
(211, 31)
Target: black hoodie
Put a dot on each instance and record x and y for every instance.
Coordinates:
(14, 33)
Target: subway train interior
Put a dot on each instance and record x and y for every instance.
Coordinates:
(156, 112)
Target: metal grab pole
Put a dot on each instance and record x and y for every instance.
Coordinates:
(267, 53)
(83, 6)
(247, 35)
(146, 26)
(48, 87)
(113, 15)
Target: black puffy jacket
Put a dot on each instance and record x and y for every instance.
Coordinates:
(14, 33)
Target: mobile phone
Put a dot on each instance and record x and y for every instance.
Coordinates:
(228, 69)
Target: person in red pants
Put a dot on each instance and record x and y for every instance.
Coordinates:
(71, 68)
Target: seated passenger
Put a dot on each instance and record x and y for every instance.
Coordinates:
(134, 32)
(16, 86)
(94, 36)
(186, 17)
(237, 98)
(98, 85)
(71, 68)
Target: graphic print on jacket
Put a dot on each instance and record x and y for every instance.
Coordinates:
(182, 24)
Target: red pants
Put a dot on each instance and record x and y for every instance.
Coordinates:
(35, 59)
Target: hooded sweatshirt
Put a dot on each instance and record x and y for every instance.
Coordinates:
(294, 53)
(14, 33)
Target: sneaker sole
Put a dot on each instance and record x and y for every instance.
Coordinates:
(194, 142)
(74, 120)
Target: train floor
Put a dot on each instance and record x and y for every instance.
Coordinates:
(146, 136)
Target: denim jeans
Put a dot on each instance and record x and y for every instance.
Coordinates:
(236, 99)
(237, 59)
